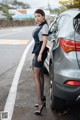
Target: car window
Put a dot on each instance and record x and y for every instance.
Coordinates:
(54, 29)
(76, 23)
(56, 26)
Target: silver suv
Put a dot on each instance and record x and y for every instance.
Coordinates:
(63, 60)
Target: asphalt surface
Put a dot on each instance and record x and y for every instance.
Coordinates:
(26, 99)
(26, 93)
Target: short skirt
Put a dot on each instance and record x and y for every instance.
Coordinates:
(41, 63)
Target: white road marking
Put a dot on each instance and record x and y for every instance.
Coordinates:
(9, 106)
(11, 33)
(15, 31)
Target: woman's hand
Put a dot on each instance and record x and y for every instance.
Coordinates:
(40, 57)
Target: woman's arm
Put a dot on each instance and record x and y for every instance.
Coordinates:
(45, 38)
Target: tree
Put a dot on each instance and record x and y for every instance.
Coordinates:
(23, 5)
(70, 3)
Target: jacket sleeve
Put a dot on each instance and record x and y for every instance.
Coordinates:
(45, 30)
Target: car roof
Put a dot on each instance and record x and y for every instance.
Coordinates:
(71, 12)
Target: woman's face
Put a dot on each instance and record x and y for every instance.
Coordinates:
(39, 18)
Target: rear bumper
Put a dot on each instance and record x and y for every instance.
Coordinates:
(61, 90)
(68, 93)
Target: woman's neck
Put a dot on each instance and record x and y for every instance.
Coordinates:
(41, 22)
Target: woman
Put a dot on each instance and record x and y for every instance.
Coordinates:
(40, 35)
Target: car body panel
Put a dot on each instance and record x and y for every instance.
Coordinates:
(65, 65)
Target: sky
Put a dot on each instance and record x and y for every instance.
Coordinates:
(41, 3)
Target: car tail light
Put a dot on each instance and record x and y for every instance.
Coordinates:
(73, 83)
(69, 45)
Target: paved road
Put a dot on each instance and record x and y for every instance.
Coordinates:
(13, 42)
(10, 55)
(20, 33)
(26, 99)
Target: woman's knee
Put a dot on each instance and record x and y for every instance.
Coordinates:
(36, 73)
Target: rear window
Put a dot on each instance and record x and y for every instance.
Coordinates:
(75, 35)
(76, 23)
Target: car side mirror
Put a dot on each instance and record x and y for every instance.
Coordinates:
(49, 32)
(55, 29)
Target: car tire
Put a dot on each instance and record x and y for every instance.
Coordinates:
(55, 102)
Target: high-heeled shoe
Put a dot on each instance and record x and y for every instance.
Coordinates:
(44, 100)
(38, 112)
(36, 105)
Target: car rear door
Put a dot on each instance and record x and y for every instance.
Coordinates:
(53, 42)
